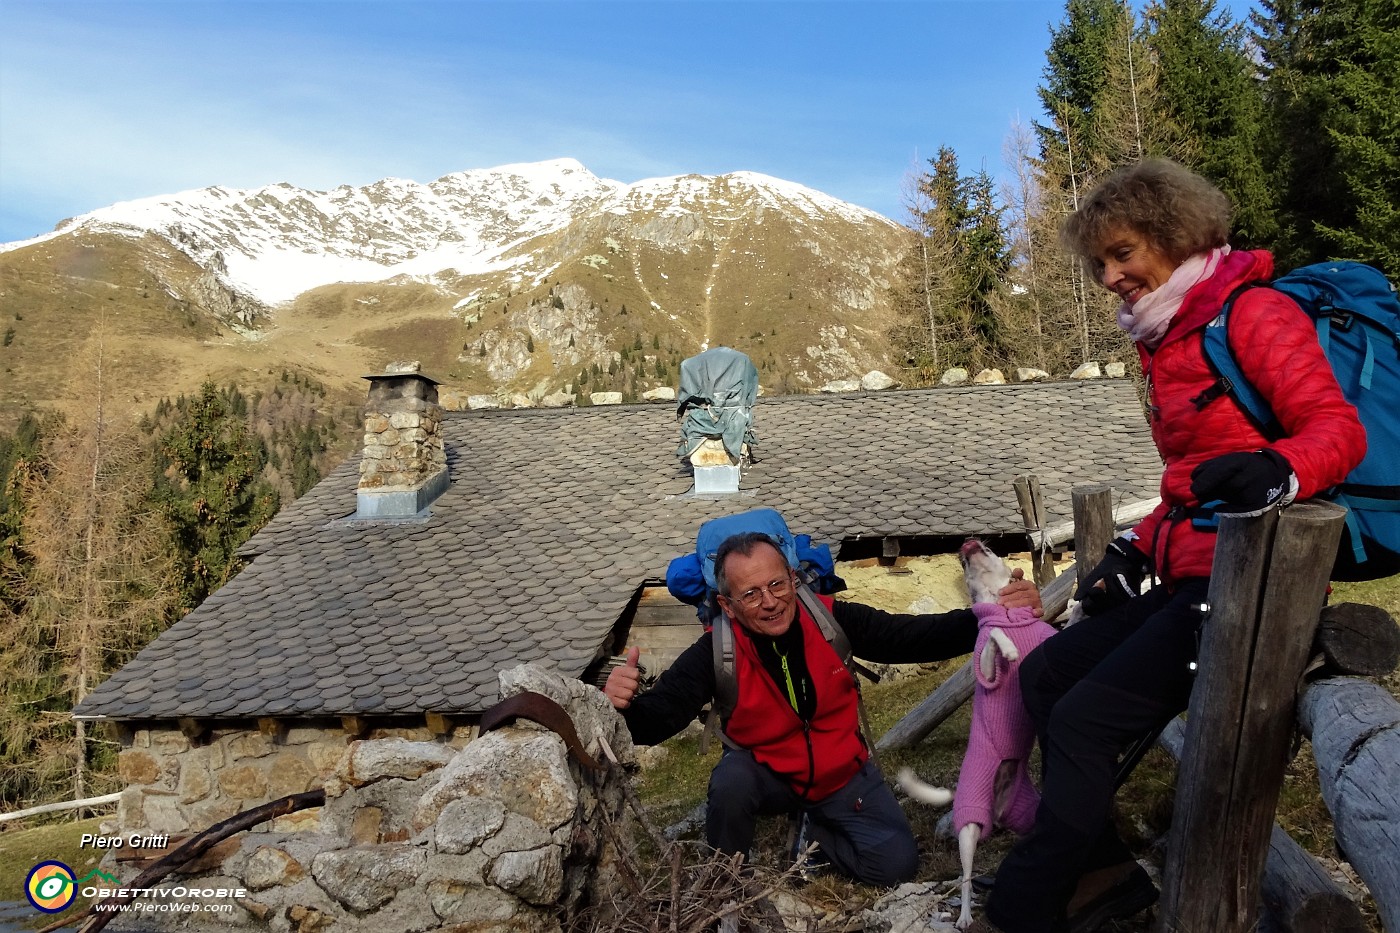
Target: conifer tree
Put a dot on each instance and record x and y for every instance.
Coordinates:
(957, 258)
(1332, 91)
(18, 452)
(1209, 92)
(1078, 62)
(208, 489)
(926, 285)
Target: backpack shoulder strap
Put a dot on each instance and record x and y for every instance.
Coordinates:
(836, 637)
(726, 683)
(831, 629)
(1231, 379)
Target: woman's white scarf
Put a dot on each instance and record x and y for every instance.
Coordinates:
(1146, 321)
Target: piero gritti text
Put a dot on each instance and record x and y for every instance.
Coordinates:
(132, 841)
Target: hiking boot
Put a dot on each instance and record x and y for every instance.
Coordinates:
(1113, 893)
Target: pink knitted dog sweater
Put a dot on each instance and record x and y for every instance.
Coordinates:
(1001, 729)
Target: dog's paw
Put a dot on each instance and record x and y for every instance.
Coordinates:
(1004, 645)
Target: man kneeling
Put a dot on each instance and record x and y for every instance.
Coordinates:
(793, 741)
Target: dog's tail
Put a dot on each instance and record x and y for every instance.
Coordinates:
(922, 791)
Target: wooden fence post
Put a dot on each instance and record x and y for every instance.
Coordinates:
(1298, 896)
(1267, 589)
(1093, 525)
(1033, 515)
(1093, 506)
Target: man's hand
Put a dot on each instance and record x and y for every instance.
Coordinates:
(1020, 593)
(622, 682)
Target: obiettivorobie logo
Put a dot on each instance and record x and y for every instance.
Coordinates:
(51, 886)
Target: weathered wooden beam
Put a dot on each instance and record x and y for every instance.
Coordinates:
(1093, 525)
(957, 689)
(354, 726)
(889, 551)
(194, 729)
(274, 729)
(1033, 516)
(1124, 515)
(1354, 725)
(1358, 639)
(1266, 592)
(1298, 895)
(931, 712)
(439, 724)
(62, 805)
(123, 733)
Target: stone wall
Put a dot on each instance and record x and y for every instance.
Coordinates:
(178, 786)
(505, 833)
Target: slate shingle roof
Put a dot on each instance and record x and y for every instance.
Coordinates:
(555, 517)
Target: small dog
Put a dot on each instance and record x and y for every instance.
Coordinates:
(994, 787)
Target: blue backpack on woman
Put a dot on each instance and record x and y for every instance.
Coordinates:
(1357, 315)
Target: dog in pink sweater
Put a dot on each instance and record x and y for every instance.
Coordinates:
(994, 786)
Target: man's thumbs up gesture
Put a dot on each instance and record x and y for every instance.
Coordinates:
(622, 682)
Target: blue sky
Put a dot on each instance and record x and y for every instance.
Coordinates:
(112, 100)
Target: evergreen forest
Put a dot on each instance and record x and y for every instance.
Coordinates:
(111, 532)
(1292, 113)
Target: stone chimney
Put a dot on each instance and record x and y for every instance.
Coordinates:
(404, 467)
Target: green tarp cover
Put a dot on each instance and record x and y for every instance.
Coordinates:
(716, 397)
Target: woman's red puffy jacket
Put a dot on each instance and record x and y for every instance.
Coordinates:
(1276, 345)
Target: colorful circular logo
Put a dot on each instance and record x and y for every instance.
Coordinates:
(50, 887)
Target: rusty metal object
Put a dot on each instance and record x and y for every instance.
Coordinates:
(538, 708)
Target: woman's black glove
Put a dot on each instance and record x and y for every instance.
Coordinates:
(1121, 571)
(1244, 483)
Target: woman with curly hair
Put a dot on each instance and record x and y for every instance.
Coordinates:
(1155, 234)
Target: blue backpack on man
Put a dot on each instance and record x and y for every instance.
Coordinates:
(1357, 315)
(691, 579)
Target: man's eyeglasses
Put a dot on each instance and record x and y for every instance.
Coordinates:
(752, 599)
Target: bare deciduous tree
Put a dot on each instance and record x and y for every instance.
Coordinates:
(96, 585)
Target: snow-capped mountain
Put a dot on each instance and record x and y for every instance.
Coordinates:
(523, 278)
(275, 242)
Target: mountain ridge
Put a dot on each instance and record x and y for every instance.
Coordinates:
(467, 222)
(533, 279)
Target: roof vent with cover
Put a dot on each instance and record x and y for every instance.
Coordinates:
(715, 407)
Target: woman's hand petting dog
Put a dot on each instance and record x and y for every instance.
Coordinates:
(1020, 593)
